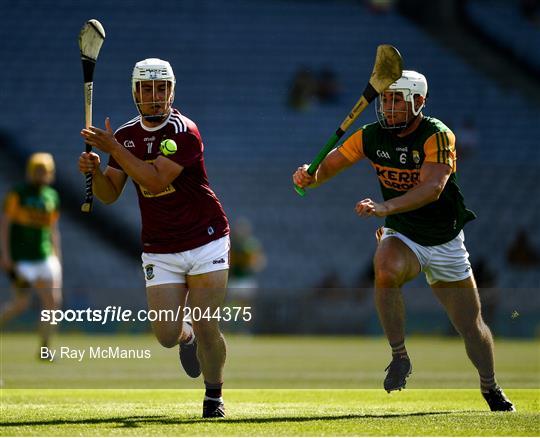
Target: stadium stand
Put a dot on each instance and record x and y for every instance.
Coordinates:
(504, 22)
(234, 60)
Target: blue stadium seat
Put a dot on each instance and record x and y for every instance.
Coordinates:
(503, 22)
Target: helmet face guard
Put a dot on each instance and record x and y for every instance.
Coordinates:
(398, 113)
(154, 99)
(153, 84)
(392, 113)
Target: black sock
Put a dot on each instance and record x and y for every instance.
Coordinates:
(487, 383)
(213, 390)
(399, 350)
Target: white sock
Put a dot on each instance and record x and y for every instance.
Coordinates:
(220, 399)
(187, 330)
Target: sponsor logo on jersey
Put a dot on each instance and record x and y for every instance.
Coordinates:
(148, 194)
(149, 271)
(210, 231)
(402, 149)
(397, 179)
(129, 144)
(153, 138)
(383, 154)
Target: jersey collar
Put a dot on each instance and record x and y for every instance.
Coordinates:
(155, 128)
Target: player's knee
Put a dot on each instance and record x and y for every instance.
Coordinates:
(387, 276)
(471, 328)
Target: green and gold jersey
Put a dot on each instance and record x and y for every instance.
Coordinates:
(32, 212)
(397, 162)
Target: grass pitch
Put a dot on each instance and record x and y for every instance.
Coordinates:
(265, 413)
(275, 386)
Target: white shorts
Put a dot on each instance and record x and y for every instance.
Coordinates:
(173, 267)
(44, 270)
(447, 262)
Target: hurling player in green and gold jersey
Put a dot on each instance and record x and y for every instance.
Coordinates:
(30, 243)
(414, 158)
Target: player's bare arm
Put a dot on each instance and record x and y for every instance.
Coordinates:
(155, 176)
(432, 180)
(107, 185)
(334, 163)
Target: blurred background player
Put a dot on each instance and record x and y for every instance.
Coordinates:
(185, 232)
(247, 259)
(424, 212)
(30, 242)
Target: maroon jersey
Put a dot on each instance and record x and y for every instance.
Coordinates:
(187, 214)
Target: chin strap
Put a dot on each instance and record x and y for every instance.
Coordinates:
(155, 119)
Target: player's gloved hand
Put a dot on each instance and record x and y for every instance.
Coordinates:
(302, 178)
(89, 162)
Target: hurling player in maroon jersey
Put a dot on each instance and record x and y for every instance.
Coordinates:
(185, 233)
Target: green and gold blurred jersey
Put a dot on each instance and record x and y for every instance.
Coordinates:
(397, 162)
(32, 212)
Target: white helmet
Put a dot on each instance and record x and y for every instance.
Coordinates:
(410, 85)
(153, 69)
